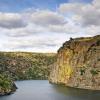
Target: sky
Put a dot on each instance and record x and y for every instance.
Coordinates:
(44, 25)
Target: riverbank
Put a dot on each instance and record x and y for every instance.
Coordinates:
(23, 66)
(7, 86)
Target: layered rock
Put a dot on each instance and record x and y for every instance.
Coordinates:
(78, 64)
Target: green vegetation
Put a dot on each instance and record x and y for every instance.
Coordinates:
(23, 66)
(26, 65)
(94, 72)
(82, 71)
(6, 85)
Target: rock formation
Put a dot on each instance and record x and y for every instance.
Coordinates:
(7, 86)
(78, 64)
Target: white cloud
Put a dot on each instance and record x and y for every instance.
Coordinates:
(45, 30)
(30, 29)
(89, 13)
(93, 30)
(96, 4)
(32, 22)
(43, 43)
(71, 7)
(67, 28)
(11, 20)
(47, 18)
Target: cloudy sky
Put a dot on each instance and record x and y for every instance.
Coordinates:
(43, 25)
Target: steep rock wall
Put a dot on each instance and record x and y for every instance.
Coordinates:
(78, 64)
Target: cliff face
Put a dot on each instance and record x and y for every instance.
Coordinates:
(78, 64)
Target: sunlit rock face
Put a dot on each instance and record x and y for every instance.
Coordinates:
(78, 64)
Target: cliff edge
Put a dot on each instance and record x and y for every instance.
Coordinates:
(78, 64)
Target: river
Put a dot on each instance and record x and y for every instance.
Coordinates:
(42, 90)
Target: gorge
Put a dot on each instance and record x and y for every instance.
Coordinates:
(77, 64)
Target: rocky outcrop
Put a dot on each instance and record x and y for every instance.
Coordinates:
(78, 64)
(7, 86)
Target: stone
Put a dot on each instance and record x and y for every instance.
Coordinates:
(78, 64)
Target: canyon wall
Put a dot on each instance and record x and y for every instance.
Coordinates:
(78, 64)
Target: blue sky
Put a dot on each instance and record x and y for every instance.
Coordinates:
(19, 5)
(43, 25)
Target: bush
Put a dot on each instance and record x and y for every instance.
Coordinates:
(94, 72)
(82, 71)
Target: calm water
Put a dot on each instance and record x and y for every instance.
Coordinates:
(42, 90)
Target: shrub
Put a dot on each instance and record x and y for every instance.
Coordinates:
(94, 72)
(82, 71)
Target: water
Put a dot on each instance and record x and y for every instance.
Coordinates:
(42, 90)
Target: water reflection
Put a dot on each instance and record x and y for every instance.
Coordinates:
(78, 94)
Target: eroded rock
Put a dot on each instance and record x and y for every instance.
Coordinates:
(78, 64)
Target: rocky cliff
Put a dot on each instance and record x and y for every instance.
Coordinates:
(78, 64)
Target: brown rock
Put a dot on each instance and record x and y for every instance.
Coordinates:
(78, 64)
